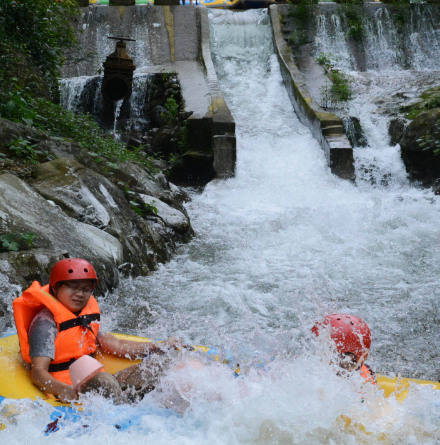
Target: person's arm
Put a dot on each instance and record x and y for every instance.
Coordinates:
(134, 349)
(49, 384)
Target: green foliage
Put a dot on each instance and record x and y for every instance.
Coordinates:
(135, 207)
(40, 31)
(414, 113)
(341, 87)
(168, 76)
(332, 94)
(151, 208)
(24, 150)
(148, 209)
(303, 9)
(399, 18)
(183, 137)
(16, 107)
(431, 100)
(298, 37)
(325, 61)
(431, 141)
(355, 23)
(172, 107)
(11, 241)
(433, 103)
(339, 90)
(45, 115)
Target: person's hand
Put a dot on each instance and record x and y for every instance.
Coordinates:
(67, 394)
(172, 343)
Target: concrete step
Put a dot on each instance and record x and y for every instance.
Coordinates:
(333, 130)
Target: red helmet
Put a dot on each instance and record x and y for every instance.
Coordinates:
(72, 269)
(349, 333)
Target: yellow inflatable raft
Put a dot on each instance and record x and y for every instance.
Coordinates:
(15, 382)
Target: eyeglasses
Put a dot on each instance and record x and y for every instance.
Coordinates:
(77, 289)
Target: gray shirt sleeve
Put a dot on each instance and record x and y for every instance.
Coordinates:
(42, 333)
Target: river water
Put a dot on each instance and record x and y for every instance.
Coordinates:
(277, 247)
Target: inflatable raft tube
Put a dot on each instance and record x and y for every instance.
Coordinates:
(15, 382)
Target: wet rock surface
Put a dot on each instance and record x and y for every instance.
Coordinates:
(76, 207)
(396, 129)
(29, 212)
(422, 165)
(354, 131)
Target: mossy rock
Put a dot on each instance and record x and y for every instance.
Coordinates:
(422, 165)
(429, 100)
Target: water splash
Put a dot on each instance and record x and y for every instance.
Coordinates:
(277, 247)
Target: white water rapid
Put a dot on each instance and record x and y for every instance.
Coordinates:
(277, 247)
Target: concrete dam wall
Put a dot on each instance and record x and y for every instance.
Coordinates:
(169, 39)
(175, 39)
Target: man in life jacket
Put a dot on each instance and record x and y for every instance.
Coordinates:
(352, 338)
(58, 323)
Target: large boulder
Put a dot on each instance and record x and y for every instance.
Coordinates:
(396, 129)
(173, 218)
(91, 198)
(422, 165)
(57, 236)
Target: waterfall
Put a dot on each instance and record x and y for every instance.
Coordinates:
(397, 57)
(393, 39)
(331, 40)
(83, 95)
(381, 43)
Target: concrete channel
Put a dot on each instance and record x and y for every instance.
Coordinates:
(327, 128)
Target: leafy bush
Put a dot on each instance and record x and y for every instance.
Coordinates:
(303, 9)
(17, 108)
(431, 141)
(172, 106)
(58, 122)
(298, 37)
(354, 20)
(339, 90)
(325, 61)
(341, 87)
(40, 31)
(24, 150)
(11, 241)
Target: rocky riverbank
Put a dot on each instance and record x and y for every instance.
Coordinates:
(122, 217)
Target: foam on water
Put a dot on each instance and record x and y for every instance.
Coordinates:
(277, 247)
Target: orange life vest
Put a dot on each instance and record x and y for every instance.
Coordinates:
(367, 375)
(77, 334)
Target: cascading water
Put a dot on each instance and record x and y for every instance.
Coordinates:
(277, 247)
(397, 58)
(83, 95)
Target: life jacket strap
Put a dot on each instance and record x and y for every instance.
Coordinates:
(82, 320)
(64, 366)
